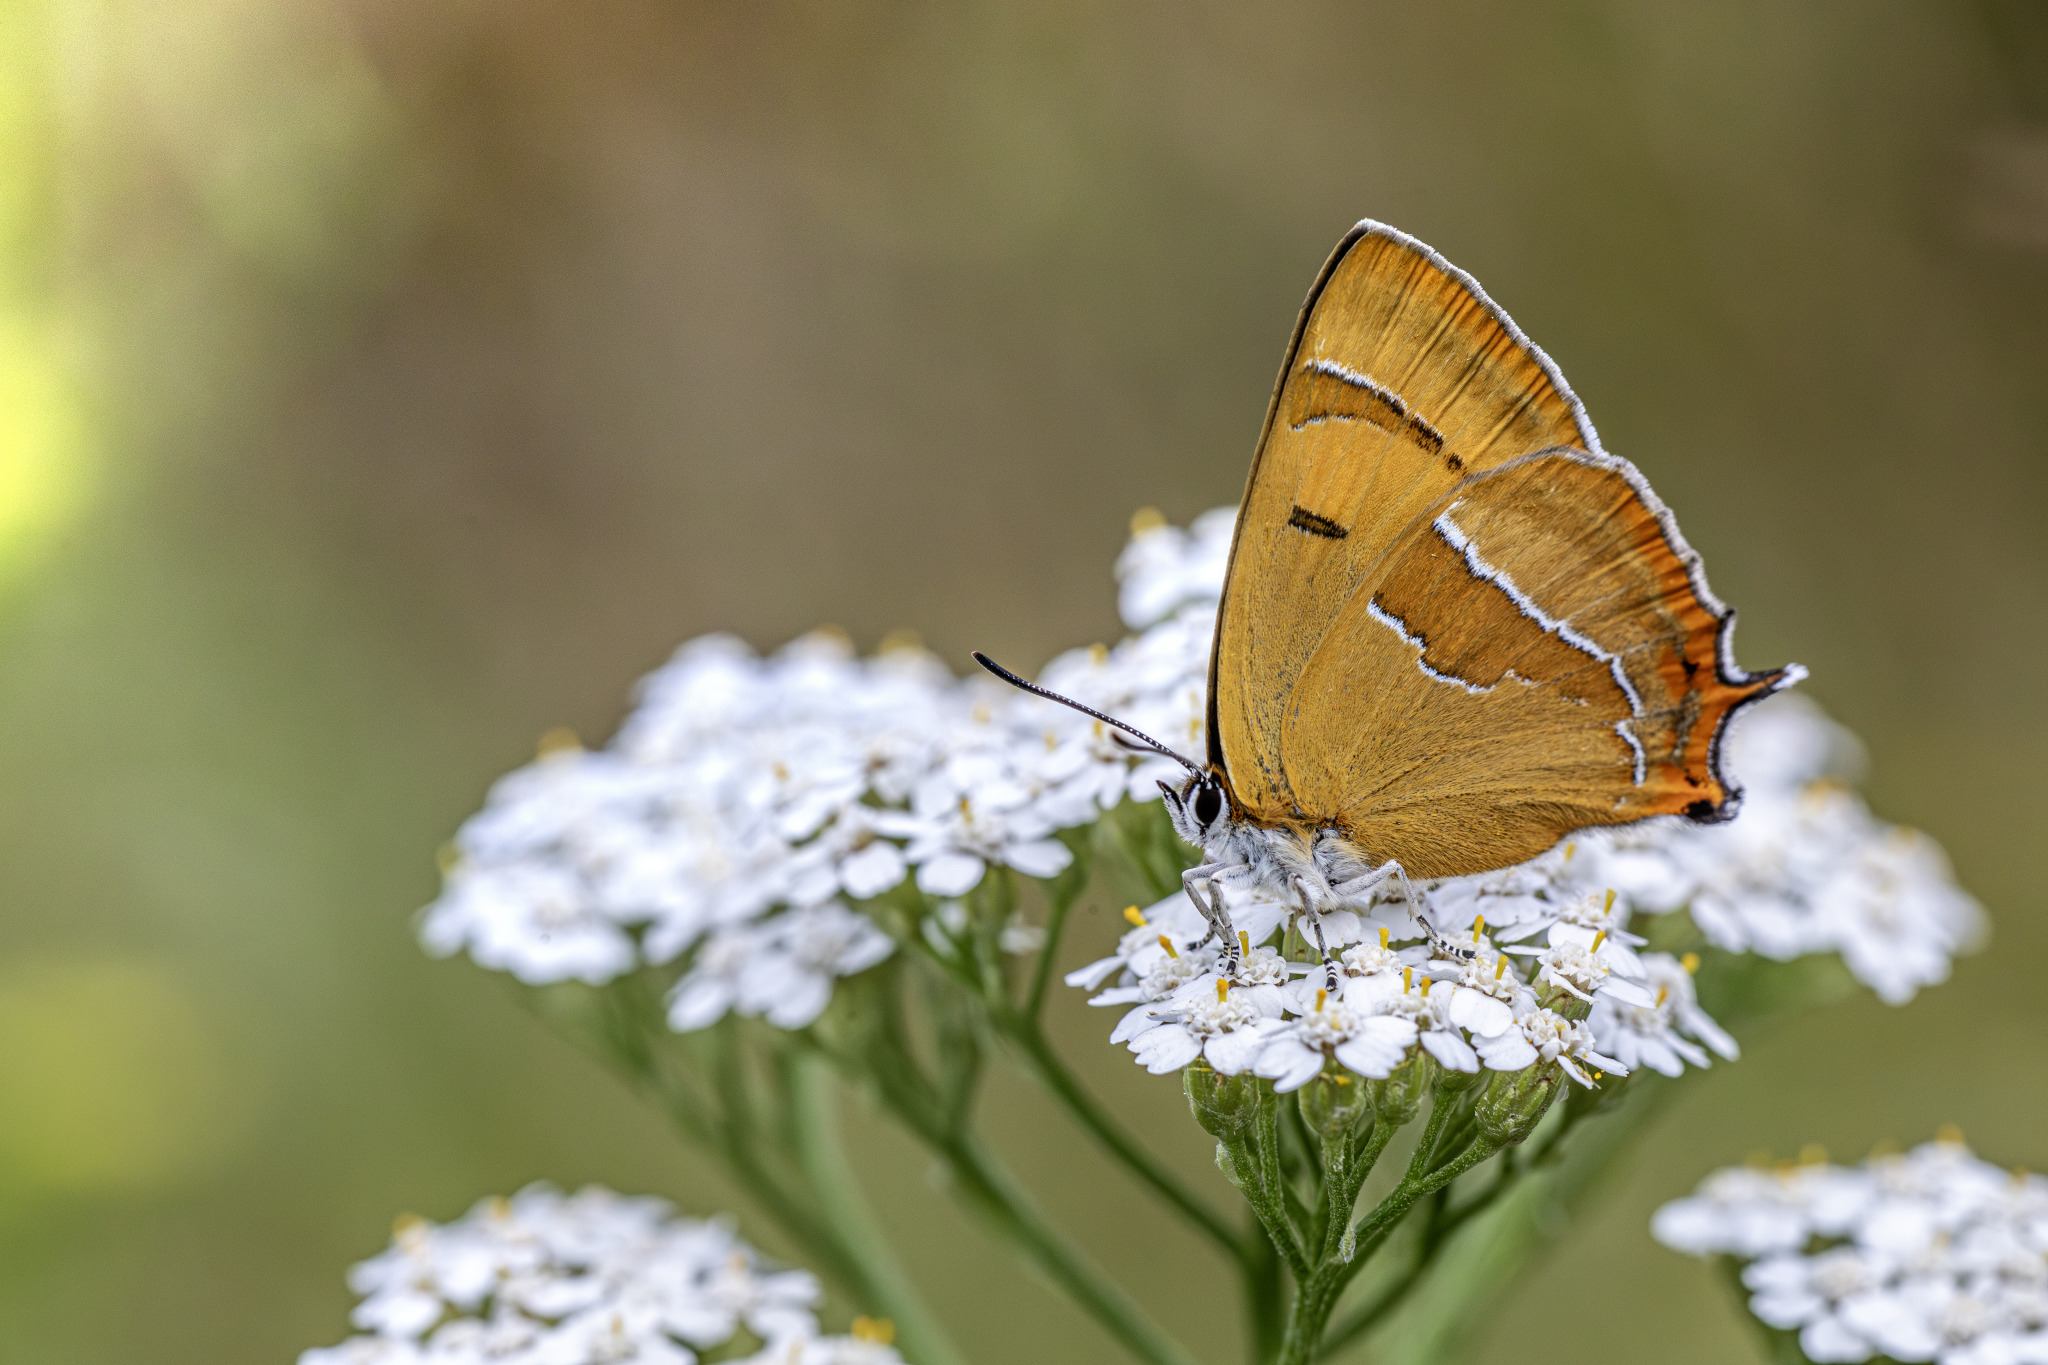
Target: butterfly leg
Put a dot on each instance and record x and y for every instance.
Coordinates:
(1200, 885)
(1443, 946)
(1315, 924)
(1357, 887)
(1393, 871)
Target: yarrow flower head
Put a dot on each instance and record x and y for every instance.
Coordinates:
(1544, 1037)
(781, 969)
(1929, 1255)
(592, 1278)
(1666, 1034)
(1368, 1043)
(1204, 1018)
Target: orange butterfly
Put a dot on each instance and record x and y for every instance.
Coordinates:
(1454, 629)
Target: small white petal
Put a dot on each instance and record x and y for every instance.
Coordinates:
(1479, 1012)
(403, 1314)
(1658, 1057)
(1372, 1057)
(1828, 1341)
(1389, 1029)
(1039, 857)
(872, 870)
(1712, 1034)
(1094, 974)
(802, 1000)
(1118, 995)
(1508, 1051)
(1239, 1049)
(1786, 1309)
(1258, 922)
(1139, 1020)
(1164, 1049)
(699, 1003)
(1289, 1065)
(1628, 992)
(950, 874)
(1454, 1052)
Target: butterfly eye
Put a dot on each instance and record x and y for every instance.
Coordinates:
(1208, 804)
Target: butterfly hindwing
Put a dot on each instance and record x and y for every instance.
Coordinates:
(1535, 656)
(1402, 380)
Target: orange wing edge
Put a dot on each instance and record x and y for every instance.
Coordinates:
(1590, 439)
(1751, 687)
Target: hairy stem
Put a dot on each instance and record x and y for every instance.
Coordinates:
(1436, 1234)
(1260, 1281)
(1265, 1187)
(1316, 1295)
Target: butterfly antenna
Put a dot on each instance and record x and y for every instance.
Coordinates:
(1144, 740)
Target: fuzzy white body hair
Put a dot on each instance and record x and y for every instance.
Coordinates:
(1258, 858)
(1318, 872)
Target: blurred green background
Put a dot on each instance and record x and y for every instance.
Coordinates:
(384, 383)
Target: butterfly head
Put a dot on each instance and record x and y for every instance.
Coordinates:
(1199, 808)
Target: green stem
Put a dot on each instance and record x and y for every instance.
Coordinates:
(1436, 1235)
(692, 1118)
(1343, 1194)
(1265, 1187)
(1041, 972)
(991, 1191)
(1317, 1296)
(835, 1190)
(1553, 1173)
(994, 1193)
(1259, 1279)
(1023, 1033)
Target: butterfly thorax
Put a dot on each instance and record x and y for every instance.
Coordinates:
(1272, 856)
(1339, 859)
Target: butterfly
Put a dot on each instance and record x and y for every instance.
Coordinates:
(1454, 629)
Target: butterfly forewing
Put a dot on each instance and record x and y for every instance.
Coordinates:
(1402, 380)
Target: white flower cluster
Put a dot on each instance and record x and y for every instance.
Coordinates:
(1931, 1255)
(750, 806)
(593, 1278)
(1805, 868)
(1277, 1019)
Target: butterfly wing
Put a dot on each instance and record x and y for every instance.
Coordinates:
(1537, 653)
(1402, 379)
(1452, 626)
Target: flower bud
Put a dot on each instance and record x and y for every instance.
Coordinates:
(1449, 1082)
(1563, 1003)
(1227, 1107)
(1398, 1098)
(1335, 1106)
(1514, 1102)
